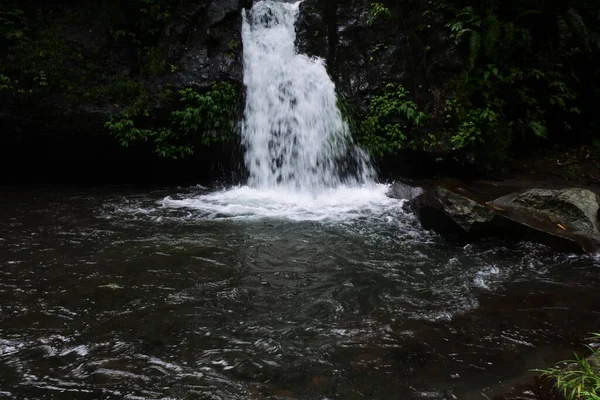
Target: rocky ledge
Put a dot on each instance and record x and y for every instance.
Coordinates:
(565, 219)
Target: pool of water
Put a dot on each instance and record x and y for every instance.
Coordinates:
(162, 293)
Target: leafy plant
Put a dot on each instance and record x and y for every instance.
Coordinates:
(580, 379)
(200, 119)
(390, 118)
(233, 47)
(377, 11)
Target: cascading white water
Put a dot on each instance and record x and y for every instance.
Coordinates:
(293, 131)
(302, 162)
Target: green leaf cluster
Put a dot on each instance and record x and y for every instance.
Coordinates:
(520, 78)
(389, 121)
(41, 56)
(200, 119)
(580, 378)
(378, 12)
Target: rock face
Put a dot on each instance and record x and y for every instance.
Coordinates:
(204, 41)
(362, 57)
(200, 44)
(402, 191)
(576, 209)
(565, 220)
(452, 215)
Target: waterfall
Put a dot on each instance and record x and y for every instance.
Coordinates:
(302, 162)
(293, 132)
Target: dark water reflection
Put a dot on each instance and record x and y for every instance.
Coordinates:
(103, 294)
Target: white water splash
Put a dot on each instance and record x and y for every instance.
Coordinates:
(302, 162)
(336, 204)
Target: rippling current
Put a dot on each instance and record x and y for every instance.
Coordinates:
(120, 293)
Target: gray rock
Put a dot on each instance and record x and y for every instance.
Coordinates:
(402, 191)
(565, 220)
(576, 209)
(451, 214)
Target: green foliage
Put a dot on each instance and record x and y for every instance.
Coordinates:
(5, 83)
(377, 12)
(33, 61)
(13, 23)
(233, 47)
(199, 119)
(146, 19)
(41, 56)
(518, 84)
(390, 119)
(119, 91)
(580, 379)
(154, 63)
(572, 172)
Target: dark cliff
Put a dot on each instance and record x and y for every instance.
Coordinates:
(98, 63)
(425, 86)
(363, 57)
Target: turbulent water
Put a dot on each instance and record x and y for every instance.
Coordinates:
(109, 294)
(301, 160)
(307, 283)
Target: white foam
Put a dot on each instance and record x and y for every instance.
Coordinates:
(336, 204)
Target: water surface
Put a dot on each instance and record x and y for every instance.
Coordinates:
(136, 293)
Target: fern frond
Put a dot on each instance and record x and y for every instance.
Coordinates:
(474, 48)
(577, 22)
(564, 33)
(509, 33)
(538, 128)
(492, 35)
(594, 39)
(527, 14)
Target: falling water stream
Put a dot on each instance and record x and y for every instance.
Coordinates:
(301, 160)
(306, 283)
(293, 132)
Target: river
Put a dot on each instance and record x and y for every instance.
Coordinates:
(112, 293)
(307, 283)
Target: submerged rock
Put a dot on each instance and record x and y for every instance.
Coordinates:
(565, 220)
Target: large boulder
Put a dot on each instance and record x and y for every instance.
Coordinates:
(576, 209)
(402, 191)
(565, 220)
(451, 214)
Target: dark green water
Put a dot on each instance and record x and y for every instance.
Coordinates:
(105, 294)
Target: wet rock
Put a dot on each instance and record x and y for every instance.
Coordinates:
(402, 191)
(576, 209)
(204, 42)
(451, 214)
(565, 220)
